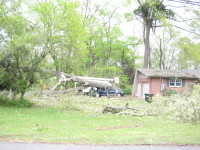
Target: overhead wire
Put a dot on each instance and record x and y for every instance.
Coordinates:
(194, 3)
(184, 2)
(189, 1)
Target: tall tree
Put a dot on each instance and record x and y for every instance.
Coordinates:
(62, 33)
(20, 57)
(151, 12)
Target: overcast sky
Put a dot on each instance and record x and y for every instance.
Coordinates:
(134, 28)
(130, 28)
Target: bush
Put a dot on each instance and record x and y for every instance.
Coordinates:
(184, 107)
(168, 92)
(127, 91)
(20, 103)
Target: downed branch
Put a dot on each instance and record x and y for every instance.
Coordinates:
(134, 111)
(114, 110)
(137, 114)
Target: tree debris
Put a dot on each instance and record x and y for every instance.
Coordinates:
(114, 110)
(133, 112)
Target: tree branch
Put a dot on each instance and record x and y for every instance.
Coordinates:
(185, 30)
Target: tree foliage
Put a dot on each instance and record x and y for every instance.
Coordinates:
(84, 38)
(109, 54)
(189, 46)
(19, 59)
(183, 107)
(189, 53)
(62, 33)
(64, 36)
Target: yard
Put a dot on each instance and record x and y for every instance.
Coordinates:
(79, 119)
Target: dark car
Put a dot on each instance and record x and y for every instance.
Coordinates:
(109, 92)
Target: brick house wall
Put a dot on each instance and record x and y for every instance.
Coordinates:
(150, 81)
(155, 85)
(188, 83)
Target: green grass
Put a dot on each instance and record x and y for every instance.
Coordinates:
(80, 121)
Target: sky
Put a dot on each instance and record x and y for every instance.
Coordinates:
(131, 28)
(134, 28)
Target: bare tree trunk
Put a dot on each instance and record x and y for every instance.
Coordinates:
(146, 33)
(161, 55)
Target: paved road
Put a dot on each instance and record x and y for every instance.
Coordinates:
(39, 146)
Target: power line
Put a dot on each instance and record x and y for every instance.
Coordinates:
(187, 2)
(186, 30)
(175, 6)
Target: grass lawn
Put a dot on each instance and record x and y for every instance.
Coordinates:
(82, 122)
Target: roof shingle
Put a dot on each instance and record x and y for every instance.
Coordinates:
(192, 74)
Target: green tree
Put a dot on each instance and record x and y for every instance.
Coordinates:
(189, 56)
(62, 33)
(20, 58)
(109, 55)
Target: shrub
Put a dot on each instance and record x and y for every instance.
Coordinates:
(184, 107)
(127, 91)
(20, 103)
(169, 92)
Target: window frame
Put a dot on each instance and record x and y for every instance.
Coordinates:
(175, 82)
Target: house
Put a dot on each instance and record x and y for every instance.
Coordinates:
(156, 81)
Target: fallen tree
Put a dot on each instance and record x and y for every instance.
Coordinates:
(86, 81)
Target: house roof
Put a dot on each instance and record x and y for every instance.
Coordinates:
(192, 74)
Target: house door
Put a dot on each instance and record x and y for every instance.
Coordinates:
(145, 89)
(142, 89)
(138, 94)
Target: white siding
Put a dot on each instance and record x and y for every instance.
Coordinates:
(142, 89)
(145, 89)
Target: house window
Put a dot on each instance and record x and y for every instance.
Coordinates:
(175, 82)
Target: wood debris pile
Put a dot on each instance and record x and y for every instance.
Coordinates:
(131, 111)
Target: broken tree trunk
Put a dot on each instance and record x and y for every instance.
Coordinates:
(89, 81)
(114, 110)
(55, 86)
